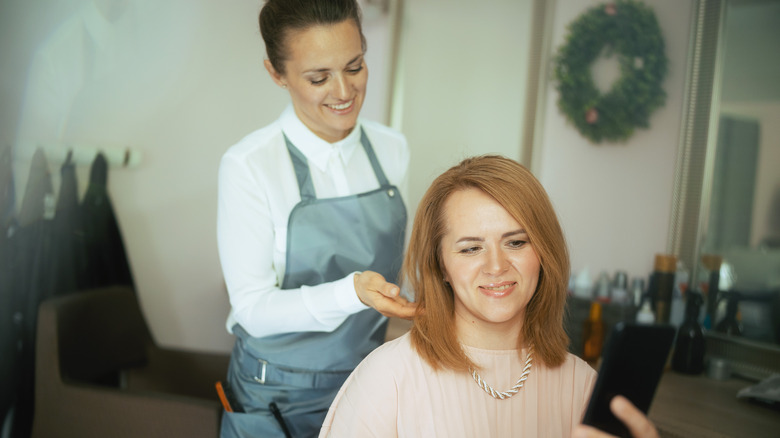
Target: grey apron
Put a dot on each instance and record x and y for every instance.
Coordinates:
(301, 372)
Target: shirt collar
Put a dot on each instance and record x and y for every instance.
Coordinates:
(316, 150)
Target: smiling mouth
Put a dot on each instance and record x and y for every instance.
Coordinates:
(498, 291)
(341, 106)
(499, 288)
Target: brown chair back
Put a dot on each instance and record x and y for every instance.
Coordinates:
(100, 335)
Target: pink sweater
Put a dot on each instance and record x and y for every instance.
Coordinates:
(394, 393)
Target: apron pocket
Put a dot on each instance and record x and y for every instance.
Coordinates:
(255, 424)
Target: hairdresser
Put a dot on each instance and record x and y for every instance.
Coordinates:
(310, 226)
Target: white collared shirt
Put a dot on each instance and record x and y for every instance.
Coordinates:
(257, 191)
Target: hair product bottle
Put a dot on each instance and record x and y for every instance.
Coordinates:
(637, 291)
(730, 324)
(689, 347)
(602, 291)
(645, 314)
(662, 286)
(620, 293)
(711, 287)
(593, 334)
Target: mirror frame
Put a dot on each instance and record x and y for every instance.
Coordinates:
(698, 136)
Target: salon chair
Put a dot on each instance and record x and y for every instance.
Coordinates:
(99, 373)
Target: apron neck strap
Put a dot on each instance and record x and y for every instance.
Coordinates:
(380, 174)
(301, 166)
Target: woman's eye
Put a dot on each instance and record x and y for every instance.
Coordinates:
(318, 81)
(517, 243)
(469, 250)
(356, 69)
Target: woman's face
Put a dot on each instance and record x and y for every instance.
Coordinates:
(326, 76)
(488, 261)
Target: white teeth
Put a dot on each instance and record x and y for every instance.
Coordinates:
(498, 288)
(342, 106)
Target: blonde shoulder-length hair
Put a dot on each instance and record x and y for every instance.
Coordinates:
(520, 193)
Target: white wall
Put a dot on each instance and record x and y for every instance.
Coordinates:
(463, 78)
(614, 200)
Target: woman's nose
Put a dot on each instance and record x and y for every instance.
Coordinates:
(496, 263)
(341, 87)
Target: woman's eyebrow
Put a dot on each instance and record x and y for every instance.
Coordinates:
(482, 239)
(470, 239)
(324, 69)
(317, 70)
(514, 233)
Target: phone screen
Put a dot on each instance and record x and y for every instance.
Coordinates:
(632, 364)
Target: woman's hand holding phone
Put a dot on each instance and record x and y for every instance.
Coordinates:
(636, 422)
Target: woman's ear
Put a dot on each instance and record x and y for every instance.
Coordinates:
(275, 76)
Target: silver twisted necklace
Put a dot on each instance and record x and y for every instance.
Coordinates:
(501, 395)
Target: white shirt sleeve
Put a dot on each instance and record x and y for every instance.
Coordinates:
(246, 239)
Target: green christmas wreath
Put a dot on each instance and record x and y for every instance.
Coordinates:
(629, 29)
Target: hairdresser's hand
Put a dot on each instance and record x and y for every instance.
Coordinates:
(373, 290)
(636, 421)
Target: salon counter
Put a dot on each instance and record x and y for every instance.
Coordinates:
(697, 406)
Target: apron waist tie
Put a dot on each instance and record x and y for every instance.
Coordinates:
(266, 373)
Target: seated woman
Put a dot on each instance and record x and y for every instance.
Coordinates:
(487, 354)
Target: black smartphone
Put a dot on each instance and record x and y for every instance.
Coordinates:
(633, 360)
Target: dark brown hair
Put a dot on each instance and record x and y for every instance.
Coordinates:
(523, 197)
(279, 17)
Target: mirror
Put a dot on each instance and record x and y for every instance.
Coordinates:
(728, 181)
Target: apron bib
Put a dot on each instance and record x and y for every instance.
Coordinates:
(327, 239)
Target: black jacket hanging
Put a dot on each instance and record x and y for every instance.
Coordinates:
(7, 327)
(30, 278)
(107, 262)
(67, 272)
